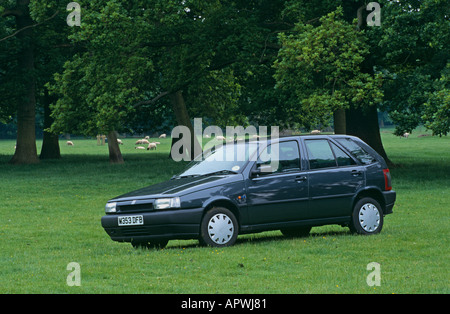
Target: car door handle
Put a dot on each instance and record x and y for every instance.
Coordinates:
(356, 173)
(300, 178)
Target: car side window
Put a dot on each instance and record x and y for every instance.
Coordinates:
(342, 158)
(356, 151)
(320, 154)
(289, 157)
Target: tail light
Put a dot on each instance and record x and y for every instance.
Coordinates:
(387, 180)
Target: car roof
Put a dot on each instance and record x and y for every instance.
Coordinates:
(312, 136)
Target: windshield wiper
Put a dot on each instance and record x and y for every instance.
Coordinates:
(220, 172)
(205, 174)
(185, 176)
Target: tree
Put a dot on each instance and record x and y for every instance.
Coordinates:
(412, 54)
(321, 68)
(100, 84)
(25, 93)
(436, 113)
(175, 47)
(44, 50)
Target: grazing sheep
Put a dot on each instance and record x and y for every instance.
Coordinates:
(144, 141)
(139, 147)
(405, 135)
(119, 142)
(255, 136)
(220, 138)
(151, 146)
(69, 143)
(162, 136)
(315, 132)
(147, 137)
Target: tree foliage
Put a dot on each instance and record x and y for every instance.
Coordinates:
(320, 67)
(413, 49)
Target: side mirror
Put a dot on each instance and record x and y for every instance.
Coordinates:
(261, 170)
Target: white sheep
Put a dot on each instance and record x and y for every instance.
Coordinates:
(119, 142)
(163, 136)
(151, 146)
(405, 135)
(139, 147)
(143, 141)
(220, 138)
(315, 132)
(147, 137)
(69, 143)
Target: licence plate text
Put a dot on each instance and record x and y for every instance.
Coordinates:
(130, 220)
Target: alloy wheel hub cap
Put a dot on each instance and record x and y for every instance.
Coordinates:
(369, 217)
(220, 228)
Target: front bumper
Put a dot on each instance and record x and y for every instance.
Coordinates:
(158, 225)
(389, 200)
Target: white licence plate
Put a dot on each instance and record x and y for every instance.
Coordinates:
(135, 220)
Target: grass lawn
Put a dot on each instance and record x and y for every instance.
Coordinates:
(50, 217)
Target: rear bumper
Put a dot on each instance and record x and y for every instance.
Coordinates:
(389, 200)
(170, 224)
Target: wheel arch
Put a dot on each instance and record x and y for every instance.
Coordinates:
(223, 202)
(372, 192)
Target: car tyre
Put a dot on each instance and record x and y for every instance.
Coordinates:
(296, 232)
(367, 217)
(219, 228)
(155, 244)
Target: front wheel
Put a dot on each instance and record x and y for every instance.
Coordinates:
(219, 228)
(367, 217)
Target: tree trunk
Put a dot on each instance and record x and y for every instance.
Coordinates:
(182, 117)
(364, 124)
(26, 152)
(339, 122)
(50, 143)
(115, 156)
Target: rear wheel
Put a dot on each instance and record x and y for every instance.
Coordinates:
(367, 217)
(219, 228)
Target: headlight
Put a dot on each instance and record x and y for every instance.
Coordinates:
(164, 203)
(110, 208)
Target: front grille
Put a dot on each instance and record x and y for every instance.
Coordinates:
(135, 208)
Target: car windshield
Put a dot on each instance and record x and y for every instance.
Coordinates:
(226, 159)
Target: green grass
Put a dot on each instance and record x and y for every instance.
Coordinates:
(50, 216)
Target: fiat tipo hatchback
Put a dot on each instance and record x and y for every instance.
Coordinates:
(290, 184)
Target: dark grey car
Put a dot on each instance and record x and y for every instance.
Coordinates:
(316, 180)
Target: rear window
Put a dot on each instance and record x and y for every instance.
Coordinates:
(356, 150)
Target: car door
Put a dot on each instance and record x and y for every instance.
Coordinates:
(282, 194)
(334, 178)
